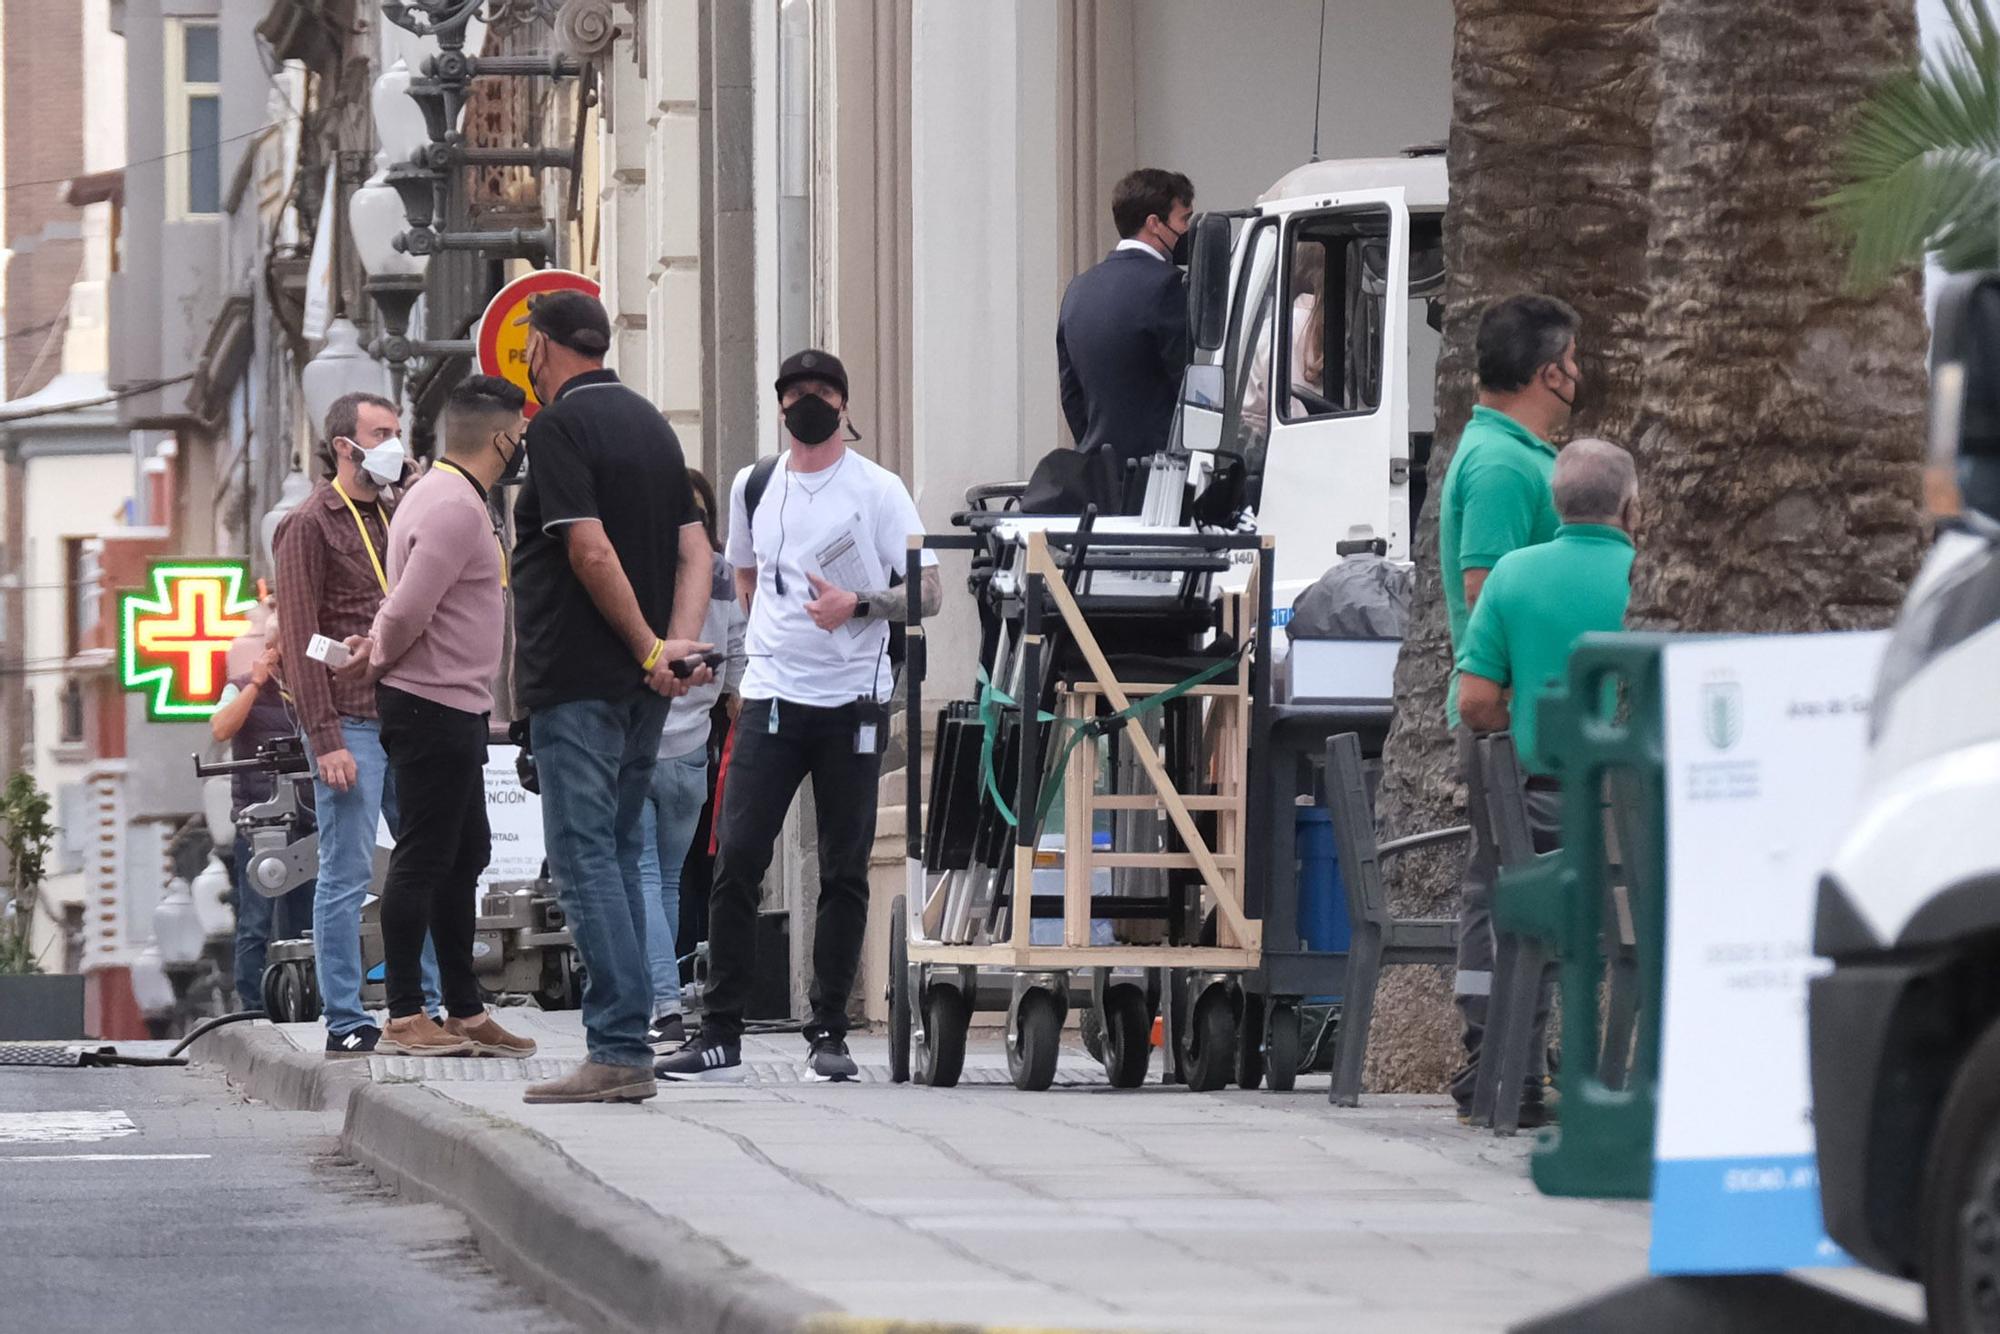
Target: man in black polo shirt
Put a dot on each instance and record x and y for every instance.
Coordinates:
(611, 580)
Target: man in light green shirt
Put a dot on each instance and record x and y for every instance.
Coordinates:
(1497, 499)
(1539, 600)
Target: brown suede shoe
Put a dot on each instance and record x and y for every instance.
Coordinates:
(594, 1081)
(488, 1038)
(419, 1035)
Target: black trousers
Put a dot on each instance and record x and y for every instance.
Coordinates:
(438, 756)
(764, 773)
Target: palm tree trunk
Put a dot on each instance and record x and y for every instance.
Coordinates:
(1549, 161)
(1783, 418)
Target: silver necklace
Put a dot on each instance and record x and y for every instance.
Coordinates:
(812, 492)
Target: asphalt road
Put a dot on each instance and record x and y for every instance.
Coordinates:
(157, 1201)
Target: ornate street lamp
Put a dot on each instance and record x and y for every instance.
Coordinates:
(177, 927)
(422, 176)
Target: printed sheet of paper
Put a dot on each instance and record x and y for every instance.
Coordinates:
(843, 564)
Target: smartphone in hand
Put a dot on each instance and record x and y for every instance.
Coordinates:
(329, 651)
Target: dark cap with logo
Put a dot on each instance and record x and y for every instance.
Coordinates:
(574, 319)
(813, 364)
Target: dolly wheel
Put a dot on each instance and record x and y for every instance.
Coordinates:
(940, 1052)
(1211, 1041)
(1128, 1036)
(277, 1003)
(899, 990)
(1250, 1044)
(1036, 1041)
(1281, 1048)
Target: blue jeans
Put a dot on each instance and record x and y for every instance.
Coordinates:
(595, 758)
(666, 829)
(347, 823)
(259, 921)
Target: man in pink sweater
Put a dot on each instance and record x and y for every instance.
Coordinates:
(433, 650)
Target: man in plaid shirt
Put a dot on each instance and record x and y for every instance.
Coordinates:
(331, 579)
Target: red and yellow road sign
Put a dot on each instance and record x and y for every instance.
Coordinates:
(174, 636)
(503, 338)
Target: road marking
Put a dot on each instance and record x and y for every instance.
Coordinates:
(63, 1127)
(101, 1157)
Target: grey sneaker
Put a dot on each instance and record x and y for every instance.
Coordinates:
(829, 1062)
(667, 1032)
(594, 1081)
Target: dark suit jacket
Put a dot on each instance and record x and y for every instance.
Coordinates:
(1121, 346)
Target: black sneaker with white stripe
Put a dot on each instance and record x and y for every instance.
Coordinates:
(360, 1042)
(702, 1061)
(829, 1062)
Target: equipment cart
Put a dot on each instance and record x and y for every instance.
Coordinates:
(1116, 734)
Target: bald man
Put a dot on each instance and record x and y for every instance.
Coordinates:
(1534, 606)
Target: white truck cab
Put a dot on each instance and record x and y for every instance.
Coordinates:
(1316, 346)
(1905, 1028)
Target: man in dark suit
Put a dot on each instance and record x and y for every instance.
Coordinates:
(1122, 339)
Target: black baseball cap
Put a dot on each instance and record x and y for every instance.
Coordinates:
(812, 364)
(574, 319)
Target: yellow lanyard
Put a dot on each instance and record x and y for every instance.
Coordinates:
(381, 576)
(447, 463)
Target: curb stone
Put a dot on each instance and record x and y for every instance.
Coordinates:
(544, 1222)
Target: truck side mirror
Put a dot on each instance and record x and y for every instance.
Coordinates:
(1208, 282)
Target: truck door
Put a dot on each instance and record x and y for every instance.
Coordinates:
(1330, 378)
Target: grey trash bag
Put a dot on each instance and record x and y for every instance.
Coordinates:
(1362, 597)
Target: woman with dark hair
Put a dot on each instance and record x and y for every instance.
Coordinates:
(680, 785)
(704, 494)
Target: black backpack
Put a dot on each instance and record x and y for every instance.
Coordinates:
(754, 487)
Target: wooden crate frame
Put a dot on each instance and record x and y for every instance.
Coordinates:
(1233, 711)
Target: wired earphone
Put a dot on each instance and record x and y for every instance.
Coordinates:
(778, 559)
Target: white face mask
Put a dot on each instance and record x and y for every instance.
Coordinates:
(385, 462)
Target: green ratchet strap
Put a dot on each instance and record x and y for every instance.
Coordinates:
(992, 700)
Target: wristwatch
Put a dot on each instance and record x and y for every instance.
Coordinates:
(861, 608)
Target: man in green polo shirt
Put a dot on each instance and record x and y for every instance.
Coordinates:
(1537, 602)
(1497, 499)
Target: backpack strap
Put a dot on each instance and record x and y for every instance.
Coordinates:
(755, 485)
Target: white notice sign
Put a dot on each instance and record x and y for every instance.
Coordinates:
(1765, 739)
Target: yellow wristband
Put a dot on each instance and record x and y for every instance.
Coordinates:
(653, 658)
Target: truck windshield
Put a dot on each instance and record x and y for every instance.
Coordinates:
(1955, 597)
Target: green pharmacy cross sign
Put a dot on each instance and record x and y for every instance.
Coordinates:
(174, 635)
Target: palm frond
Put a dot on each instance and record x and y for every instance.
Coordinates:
(1921, 165)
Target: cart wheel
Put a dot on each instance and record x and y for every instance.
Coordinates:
(310, 1003)
(1035, 1042)
(1128, 1036)
(1281, 1048)
(1250, 1043)
(940, 1051)
(1211, 1041)
(276, 1001)
(899, 990)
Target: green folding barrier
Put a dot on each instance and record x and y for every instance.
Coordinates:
(1600, 731)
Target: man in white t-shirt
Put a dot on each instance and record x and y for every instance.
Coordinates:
(813, 565)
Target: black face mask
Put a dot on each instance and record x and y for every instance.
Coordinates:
(511, 471)
(1184, 249)
(812, 420)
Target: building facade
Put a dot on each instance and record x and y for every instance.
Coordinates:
(908, 183)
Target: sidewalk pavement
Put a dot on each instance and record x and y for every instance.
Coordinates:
(777, 1204)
